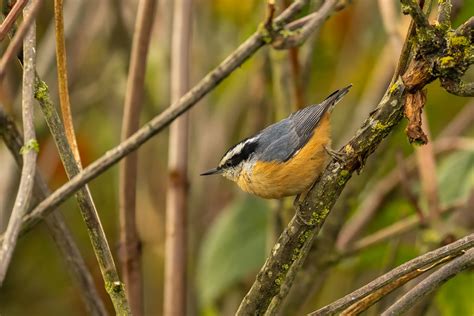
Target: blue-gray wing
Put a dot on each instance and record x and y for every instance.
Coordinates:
(283, 139)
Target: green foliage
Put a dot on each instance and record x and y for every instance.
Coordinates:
(455, 297)
(233, 248)
(456, 176)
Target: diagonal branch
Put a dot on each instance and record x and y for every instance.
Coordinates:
(15, 43)
(431, 283)
(29, 150)
(422, 262)
(114, 287)
(11, 17)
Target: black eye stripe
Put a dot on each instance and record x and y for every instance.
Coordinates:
(244, 154)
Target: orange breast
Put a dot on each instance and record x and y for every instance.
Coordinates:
(275, 180)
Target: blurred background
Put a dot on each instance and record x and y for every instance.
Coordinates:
(229, 232)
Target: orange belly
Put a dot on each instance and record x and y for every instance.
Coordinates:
(273, 180)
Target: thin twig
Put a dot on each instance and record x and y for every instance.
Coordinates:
(62, 79)
(56, 225)
(454, 249)
(130, 246)
(432, 282)
(15, 43)
(160, 122)
(396, 229)
(10, 19)
(175, 286)
(29, 151)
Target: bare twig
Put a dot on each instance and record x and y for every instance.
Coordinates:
(30, 149)
(432, 282)
(175, 286)
(10, 19)
(56, 224)
(396, 229)
(62, 79)
(422, 262)
(157, 124)
(15, 44)
(130, 251)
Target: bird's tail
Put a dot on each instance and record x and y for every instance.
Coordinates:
(335, 97)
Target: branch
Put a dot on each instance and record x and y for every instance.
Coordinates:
(444, 13)
(458, 87)
(11, 17)
(160, 122)
(29, 150)
(176, 235)
(377, 295)
(298, 37)
(421, 262)
(15, 43)
(431, 283)
(130, 246)
(114, 287)
(56, 225)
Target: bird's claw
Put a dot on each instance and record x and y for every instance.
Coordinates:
(334, 154)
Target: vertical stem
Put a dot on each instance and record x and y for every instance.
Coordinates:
(176, 230)
(427, 169)
(29, 150)
(62, 78)
(130, 252)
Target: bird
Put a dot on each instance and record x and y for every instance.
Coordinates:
(285, 158)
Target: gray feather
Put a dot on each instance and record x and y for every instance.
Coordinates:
(283, 139)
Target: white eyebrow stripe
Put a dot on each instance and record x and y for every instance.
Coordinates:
(238, 148)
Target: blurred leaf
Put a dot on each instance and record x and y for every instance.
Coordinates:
(233, 248)
(455, 297)
(456, 176)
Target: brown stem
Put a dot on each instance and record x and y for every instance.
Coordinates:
(175, 286)
(62, 78)
(15, 43)
(130, 250)
(11, 17)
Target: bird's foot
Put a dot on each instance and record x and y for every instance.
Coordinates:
(335, 154)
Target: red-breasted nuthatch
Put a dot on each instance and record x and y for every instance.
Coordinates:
(285, 158)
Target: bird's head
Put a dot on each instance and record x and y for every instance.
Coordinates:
(236, 159)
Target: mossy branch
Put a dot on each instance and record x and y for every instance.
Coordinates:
(114, 287)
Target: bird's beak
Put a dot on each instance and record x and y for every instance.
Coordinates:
(211, 171)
